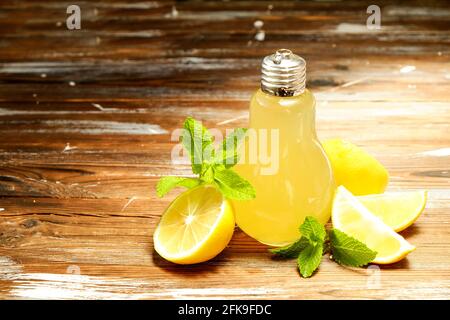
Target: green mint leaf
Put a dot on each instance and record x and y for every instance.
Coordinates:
(309, 259)
(234, 186)
(313, 230)
(165, 184)
(349, 251)
(292, 250)
(228, 154)
(197, 141)
(207, 174)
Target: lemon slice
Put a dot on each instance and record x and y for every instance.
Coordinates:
(195, 227)
(398, 210)
(352, 217)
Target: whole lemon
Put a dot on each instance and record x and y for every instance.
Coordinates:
(355, 169)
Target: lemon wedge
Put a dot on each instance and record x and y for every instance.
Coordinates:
(352, 217)
(195, 227)
(398, 210)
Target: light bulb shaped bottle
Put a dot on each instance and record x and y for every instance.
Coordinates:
(282, 157)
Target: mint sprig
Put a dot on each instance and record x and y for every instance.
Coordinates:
(316, 241)
(228, 154)
(212, 166)
(309, 259)
(233, 186)
(166, 184)
(196, 140)
(313, 230)
(291, 251)
(348, 251)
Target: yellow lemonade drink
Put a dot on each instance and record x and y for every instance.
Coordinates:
(291, 173)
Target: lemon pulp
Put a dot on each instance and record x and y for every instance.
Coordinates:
(398, 210)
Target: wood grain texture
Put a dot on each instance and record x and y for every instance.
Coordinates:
(85, 132)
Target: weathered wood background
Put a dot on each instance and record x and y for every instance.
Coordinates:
(86, 117)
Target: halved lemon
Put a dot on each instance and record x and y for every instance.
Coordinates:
(398, 210)
(352, 217)
(195, 227)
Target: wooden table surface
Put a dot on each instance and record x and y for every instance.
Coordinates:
(86, 118)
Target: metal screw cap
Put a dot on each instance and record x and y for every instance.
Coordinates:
(283, 74)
